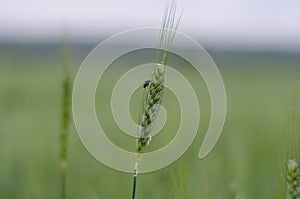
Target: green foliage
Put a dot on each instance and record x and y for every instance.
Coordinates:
(244, 163)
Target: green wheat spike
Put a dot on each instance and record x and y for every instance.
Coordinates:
(154, 89)
(292, 180)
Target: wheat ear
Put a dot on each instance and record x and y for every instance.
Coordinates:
(153, 89)
(292, 180)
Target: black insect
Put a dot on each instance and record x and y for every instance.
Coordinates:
(146, 83)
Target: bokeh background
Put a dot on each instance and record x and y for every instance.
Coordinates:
(255, 44)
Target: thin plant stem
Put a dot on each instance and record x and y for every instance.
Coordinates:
(66, 102)
(134, 184)
(135, 174)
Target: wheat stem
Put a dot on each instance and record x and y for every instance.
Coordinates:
(66, 102)
(134, 184)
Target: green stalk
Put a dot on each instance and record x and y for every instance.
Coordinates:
(66, 105)
(154, 89)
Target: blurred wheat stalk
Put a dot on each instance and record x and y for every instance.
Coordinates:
(154, 89)
(66, 105)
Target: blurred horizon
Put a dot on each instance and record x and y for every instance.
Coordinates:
(267, 25)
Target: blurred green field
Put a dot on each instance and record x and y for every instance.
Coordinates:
(247, 162)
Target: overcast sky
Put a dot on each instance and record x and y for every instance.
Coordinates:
(274, 23)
